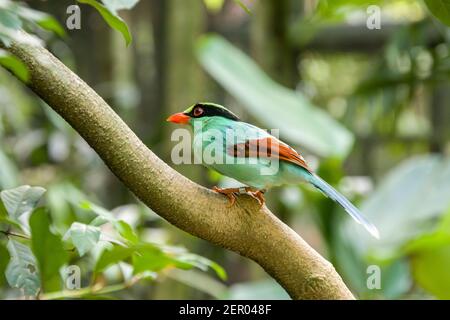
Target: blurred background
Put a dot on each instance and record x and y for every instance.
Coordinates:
(368, 107)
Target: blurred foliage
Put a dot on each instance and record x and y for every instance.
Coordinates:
(258, 290)
(108, 11)
(39, 256)
(14, 17)
(440, 9)
(410, 209)
(302, 123)
(12, 63)
(373, 120)
(216, 5)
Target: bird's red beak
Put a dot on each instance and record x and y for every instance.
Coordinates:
(179, 118)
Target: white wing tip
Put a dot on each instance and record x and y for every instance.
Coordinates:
(373, 231)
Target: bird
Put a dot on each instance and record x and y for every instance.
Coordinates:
(252, 156)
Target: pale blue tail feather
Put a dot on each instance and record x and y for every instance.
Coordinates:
(330, 192)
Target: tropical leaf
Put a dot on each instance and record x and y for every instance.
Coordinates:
(111, 256)
(116, 5)
(48, 250)
(151, 258)
(202, 263)
(126, 231)
(440, 9)
(21, 200)
(105, 216)
(406, 205)
(409, 208)
(4, 254)
(42, 19)
(15, 16)
(15, 65)
(430, 270)
(297, 119)
(9, 19)
(84, 237)
(22, 271)
(111, 18)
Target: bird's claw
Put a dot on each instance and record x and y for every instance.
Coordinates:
(259, 196)
(231, 194)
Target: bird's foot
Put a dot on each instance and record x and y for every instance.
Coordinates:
(259, 196)
(231, 194)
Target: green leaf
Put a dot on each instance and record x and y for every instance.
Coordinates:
(151, 258)
(59, 206)
(300, 122)
(10, 19)
(409, 202)
(203, 264)
(116, 5)
(51, 24)
(336, 10)
(48, 250)
(111, 18)
(15, 65)
(430, 268)
(112, 256)
(440, 9)
(99, 221)
(429, 255)
(101, 212)
(20, 200)
(84, 237)
(4, 254)
(22, 271)
(428, 241)
(5, 219)
(126, 231)
(105, 216)
(42, 19)
(409, 208)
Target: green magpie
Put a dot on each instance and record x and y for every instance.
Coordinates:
(248, 154)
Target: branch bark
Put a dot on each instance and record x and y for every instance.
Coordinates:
(253, 233)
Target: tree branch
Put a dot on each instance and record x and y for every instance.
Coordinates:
(253, 233)
(355, 38)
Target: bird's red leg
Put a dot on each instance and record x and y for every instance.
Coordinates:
(231, 193)
(259, 196)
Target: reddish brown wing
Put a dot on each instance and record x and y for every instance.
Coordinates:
(267, 148)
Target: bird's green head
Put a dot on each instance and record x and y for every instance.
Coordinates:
(202, 111)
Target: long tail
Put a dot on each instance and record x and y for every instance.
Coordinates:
(330, 192)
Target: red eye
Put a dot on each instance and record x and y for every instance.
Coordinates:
(198, 112)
